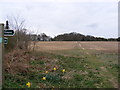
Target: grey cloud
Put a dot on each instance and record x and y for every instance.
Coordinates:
(55, 18)
(93, 25)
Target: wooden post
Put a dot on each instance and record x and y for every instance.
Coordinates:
(1, 54)
(118, 44)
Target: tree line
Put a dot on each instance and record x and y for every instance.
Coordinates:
(73, 36)
(80, 37)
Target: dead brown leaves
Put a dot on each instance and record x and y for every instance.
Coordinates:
(16, 62)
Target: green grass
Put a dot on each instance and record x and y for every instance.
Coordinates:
(36, 62)
(82, 71)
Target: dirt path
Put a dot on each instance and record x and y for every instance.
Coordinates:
(79, 44)
(111, 79)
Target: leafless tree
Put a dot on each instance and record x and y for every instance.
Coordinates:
(18, 24)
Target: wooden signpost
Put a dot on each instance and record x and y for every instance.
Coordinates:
(1, 54)
(3, 40)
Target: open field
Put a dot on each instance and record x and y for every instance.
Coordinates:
(62, 45)
(87, 65)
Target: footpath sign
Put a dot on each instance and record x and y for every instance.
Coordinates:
(8, 32)
(5, 40)
(0, 39)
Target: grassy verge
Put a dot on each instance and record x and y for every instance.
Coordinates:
(83, 70)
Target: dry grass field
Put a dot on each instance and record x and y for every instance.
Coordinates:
(101, 46)
(86, 64)
(47, 46)
(66, 45)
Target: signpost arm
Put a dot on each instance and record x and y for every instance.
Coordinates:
(1, 54)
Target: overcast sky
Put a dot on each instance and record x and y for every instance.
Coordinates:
(53, 17)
